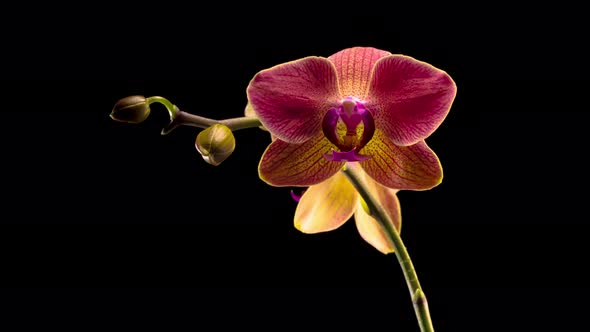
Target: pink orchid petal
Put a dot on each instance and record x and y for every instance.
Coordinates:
(249, 112)
(369, 228)
(414, 167)
(354, 67)
(291, 99)
(409, 98)
(288, 164)
(326, 206)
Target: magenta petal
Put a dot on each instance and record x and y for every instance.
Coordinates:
(368, 131)
(291, 99)
(409, 98)
(354, 67)
(413, 167)
(329, 124)
(289, 164)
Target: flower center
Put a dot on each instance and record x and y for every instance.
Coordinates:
(343, 125)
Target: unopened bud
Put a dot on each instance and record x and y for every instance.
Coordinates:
(132, 109)
(215, 143)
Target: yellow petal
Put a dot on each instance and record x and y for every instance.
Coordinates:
(369, 229)
(414, 167)
(326, 205)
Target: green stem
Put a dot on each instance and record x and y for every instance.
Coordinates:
(172, 109)
(187, 119)
(377, 212)
(241, 122)
(180, 118)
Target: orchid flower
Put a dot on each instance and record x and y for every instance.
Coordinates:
(361, 107)
(351, 127)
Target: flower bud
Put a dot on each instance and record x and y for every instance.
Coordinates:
(215, 143)
(132, 109)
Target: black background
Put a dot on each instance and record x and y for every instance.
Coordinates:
(112, 225)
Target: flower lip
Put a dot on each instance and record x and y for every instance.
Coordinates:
(348, 156)
(351, 112)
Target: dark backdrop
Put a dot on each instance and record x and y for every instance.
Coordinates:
(110, 222)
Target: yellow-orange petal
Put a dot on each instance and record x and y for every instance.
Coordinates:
(289, 164)
(326, 206)
(369, 229)
(414, 167)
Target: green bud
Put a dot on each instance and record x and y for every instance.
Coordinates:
(132, 109)
(215, 143)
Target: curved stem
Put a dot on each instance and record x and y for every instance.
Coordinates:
(172, 109)
(377, 212)
(180, 118)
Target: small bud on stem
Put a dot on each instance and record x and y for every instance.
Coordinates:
(215, 143)
(132, 109)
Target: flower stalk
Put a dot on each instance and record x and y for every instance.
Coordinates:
(180, 118)
(376, 211)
